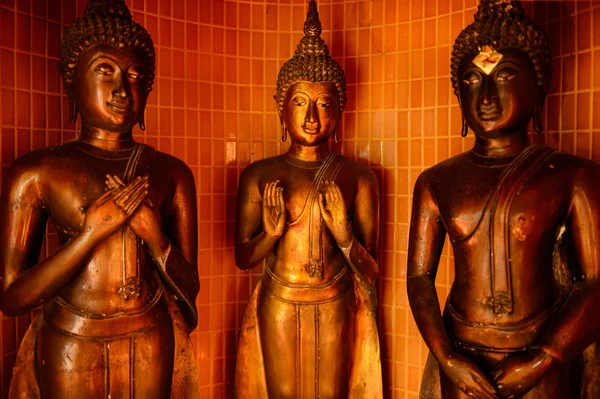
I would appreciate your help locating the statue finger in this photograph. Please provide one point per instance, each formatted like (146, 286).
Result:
(274, 193)
(268, 197)
(110, 182)
(127, 191)
(123, 191)
(133, 204)
(265, 194)
(126, 200)
(337, 191)
(118, 180)
(271, 188)
(322, 205)
(488, 390)
(280, 200)
(105, 197)
(328, 195)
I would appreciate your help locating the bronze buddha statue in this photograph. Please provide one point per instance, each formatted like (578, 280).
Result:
(522, 219)
(309, 327)
(118, 296)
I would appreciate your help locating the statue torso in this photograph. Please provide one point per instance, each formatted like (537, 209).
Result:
(464, 191)
(292, 252)
(72, 178)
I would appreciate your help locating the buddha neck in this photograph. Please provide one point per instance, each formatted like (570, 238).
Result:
(501, 147)
(111, 141)
(309, 153)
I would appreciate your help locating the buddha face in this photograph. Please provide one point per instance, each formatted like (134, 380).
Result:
(311, 112)
(502, 101)
(110, 87)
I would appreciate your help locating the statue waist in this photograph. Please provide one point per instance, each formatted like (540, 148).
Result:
(305, 293)
(73, 321)
(498, 337)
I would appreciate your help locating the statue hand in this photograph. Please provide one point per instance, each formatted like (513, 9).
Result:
(468, 377)
(334, 213)
(273, 210)
(515, 376)
(145, 222)
(113, 208)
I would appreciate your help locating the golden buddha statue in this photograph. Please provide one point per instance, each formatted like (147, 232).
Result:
(309, 327)
(118, 296)
(522, 220)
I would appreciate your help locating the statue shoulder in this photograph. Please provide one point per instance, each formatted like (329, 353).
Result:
(175, 167)
(443, 170)
(33, 165)
(260, 169)
(362, 172)
(582, 172)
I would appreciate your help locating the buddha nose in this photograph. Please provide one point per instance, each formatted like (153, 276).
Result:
(488, 91)
(121, 88)
(312, 114)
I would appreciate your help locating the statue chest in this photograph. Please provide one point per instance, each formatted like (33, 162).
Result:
(481, 202)
(80, 181)
(301, 192)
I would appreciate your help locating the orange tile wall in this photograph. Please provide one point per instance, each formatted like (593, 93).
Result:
(212, 107)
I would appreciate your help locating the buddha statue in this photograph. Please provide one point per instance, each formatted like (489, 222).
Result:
(309, 326)
(117, 298)
(524, 224)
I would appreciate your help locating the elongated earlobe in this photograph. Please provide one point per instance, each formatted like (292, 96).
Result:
(72, 111)
(538, 126)
(335, 136)
(465, 128)
(142, 121)
(283, 133)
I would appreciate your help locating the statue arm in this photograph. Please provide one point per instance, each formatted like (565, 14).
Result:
(362, 252)
(575, 328)
(426, 241)
(26, 283)
(177, 251)
(252, 242)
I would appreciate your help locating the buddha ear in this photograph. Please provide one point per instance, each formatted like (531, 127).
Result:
(283, 127)
(72, 104)
(464, 129)
(142, 121)
(538, 125)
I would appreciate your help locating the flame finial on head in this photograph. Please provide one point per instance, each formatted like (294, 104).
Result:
(312, 26)
(311, 61)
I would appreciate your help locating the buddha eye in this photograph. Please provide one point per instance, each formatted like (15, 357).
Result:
(134, 76)
(324, 105)
(104, 71)
(471, 78)
(505, 74)
(299, 101)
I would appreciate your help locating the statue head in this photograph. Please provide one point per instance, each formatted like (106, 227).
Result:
(311, 88)
(501, 68)
(107, 64)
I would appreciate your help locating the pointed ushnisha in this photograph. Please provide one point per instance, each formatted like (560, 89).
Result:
(312, 26)
(503, 24)
(311, 61)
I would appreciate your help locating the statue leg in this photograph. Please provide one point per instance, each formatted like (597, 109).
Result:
(430, 385)
(335, 335)
(279, 340)
(152, 366)
(306, 347)
(559, 383)
(590, 384)
(68, 367)
(135, 366)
